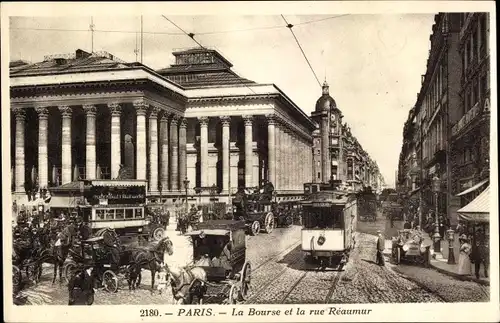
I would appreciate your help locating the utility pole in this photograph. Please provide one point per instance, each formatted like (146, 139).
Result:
(142, 41)
(92, 33)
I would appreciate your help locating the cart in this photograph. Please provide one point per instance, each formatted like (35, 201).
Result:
(93, 253)
(228, 276)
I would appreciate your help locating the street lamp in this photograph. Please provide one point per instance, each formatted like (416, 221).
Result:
(186, 186)
(450, 235)
(436, 187)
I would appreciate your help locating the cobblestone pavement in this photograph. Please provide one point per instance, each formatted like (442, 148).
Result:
(291, 280)
(261, 249)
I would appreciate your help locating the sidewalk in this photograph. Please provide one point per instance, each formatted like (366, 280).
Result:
(440, 264)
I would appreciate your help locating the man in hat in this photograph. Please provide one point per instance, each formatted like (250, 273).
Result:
(380, 249)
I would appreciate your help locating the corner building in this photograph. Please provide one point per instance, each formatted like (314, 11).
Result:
(337, 154)
(93, 116)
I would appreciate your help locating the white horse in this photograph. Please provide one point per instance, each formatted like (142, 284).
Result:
(188, 284)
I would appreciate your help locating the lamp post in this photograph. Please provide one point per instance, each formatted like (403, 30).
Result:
(186, 186)
(450, 234)
(436, 187)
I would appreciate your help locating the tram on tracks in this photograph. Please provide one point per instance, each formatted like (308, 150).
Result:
(328, 225)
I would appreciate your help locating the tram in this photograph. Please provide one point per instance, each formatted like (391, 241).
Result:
(328, 225)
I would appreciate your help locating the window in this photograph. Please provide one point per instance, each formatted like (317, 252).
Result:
(483, 35)
(475, 93)
(129, 214)
(119, 215)
(319, 175)
(484, 86)
(99, 214)
(138, 213)
(109, 214)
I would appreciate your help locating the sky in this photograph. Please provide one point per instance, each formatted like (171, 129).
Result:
(372, 63)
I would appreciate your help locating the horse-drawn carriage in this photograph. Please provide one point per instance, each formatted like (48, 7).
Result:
(220, 270)
(256, 209)
(113, 261)
(410, 245)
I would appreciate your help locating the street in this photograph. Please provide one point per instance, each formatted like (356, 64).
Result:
(279, 276)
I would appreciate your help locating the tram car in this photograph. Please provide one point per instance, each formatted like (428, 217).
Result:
(328, 226)
(367, 205)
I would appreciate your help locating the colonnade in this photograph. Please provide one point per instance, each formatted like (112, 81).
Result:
(289, 153)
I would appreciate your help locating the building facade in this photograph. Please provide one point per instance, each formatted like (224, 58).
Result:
(337, 154)
(191, 127)
(470, 131)
(447, 132)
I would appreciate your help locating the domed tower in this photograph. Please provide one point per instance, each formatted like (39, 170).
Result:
(329, 119)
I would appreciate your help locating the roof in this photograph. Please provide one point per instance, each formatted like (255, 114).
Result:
(200, 67)
(478, 210)
(229, 225)
(81, 61)
(77, 186)
(189, 79)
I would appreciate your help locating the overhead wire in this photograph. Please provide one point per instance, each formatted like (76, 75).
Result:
(177, 33)
(290, 26)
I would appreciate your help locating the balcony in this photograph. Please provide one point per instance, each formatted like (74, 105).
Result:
(465, 120)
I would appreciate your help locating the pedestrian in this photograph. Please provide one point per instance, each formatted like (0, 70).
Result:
(380, 249)
(464, 261)
(480, 253)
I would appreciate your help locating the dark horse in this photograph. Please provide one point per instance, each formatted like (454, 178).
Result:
(60, 249)
(150, 258)
(82, 281)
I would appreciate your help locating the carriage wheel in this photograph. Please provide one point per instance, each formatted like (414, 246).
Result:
(35, 271)
(69, 270)
(233, 294)
(158, 234)
(269, 222)
(255, 229)
(110, 281)
(245, 279)
(16, 276)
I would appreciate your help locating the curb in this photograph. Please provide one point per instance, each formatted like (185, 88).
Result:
(459, 277)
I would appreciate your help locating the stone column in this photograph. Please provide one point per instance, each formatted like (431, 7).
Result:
(141, 108)
(226, 121)
(174, 153)
(283, 156)
(295, 159)
(153, 150)
(20, 116)
(116, 112)
(90, 142)
(203, 151)
(277, 143)
(164, 151)
(248, 120)
(43, 167)
(288, 156)
(271, 145)
(66, 113)
(182, 150)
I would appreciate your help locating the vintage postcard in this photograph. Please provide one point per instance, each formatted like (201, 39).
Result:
(250, 161)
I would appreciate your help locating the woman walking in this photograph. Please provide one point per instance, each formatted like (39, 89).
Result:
(464, 263)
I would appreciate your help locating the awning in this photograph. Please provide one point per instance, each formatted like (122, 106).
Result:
(473, 188)
(478, 210)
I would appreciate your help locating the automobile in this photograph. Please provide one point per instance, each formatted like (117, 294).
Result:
(411, 246)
